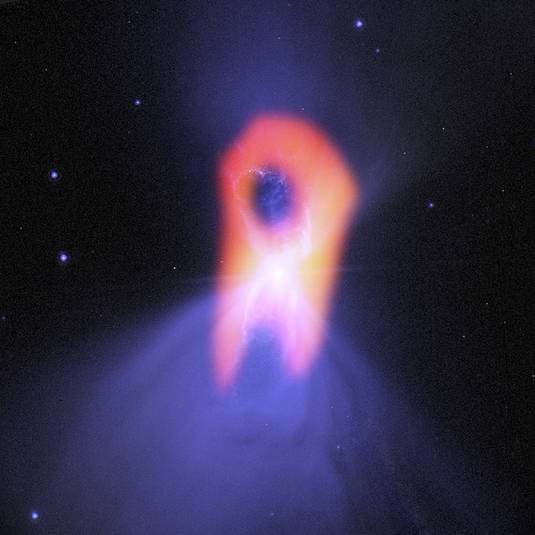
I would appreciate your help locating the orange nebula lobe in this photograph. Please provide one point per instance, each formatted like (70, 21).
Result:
(280, 274)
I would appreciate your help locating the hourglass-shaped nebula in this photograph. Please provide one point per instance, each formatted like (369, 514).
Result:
(287, 198)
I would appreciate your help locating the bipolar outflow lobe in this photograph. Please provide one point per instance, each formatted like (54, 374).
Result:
(287, 198)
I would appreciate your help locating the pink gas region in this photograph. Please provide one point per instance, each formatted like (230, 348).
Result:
(279, 274)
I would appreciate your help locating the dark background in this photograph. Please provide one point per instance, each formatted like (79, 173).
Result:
(431, 102)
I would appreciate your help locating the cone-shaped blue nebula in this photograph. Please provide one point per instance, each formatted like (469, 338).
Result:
(154, 448)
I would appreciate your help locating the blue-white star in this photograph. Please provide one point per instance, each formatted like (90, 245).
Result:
(63, 257)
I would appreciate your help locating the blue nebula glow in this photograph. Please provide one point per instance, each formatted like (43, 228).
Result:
(137, 102)
(34, 515)
(211, 445)
(63, 257)
(272, 197)
(53, 174)
(359, 24)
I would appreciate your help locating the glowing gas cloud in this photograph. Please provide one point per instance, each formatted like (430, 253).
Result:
(279, 246)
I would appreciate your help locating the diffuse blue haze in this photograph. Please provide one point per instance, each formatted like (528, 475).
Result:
(272, 196)
(158, 450)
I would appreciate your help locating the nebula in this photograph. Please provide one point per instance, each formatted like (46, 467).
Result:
(287, 198)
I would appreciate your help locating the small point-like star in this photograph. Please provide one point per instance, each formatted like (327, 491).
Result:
(359, 24)
(63, 257)
(430, 204)
(137, 102)
(53, 174)
(34, 515)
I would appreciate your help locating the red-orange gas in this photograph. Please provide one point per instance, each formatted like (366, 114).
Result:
(279, 272)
